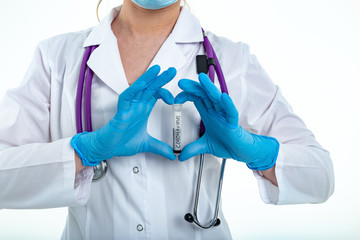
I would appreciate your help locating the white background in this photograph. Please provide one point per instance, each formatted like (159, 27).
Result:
(310, 48)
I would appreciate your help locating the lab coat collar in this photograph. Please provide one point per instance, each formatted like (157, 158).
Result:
(186, 30)
(106, 63)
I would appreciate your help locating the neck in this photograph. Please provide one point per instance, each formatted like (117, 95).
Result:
(136, 21)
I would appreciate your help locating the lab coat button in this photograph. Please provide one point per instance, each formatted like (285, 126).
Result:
(139, 227)
(136, 170)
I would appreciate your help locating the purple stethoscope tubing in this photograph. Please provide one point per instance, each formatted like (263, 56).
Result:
(211, 55)
(79, 95)
(85, 77)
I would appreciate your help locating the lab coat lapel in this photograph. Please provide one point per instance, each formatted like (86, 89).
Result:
(105, 61)
(169, 55)
(187, 30)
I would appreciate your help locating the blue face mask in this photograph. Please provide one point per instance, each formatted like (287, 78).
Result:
(154, 4)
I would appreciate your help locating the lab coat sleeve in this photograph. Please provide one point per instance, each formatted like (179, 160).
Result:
(36, 172)
(303, 168)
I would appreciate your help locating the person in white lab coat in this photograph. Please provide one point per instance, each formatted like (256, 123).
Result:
(143, 196)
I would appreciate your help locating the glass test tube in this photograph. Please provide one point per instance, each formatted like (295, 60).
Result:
(177, 128)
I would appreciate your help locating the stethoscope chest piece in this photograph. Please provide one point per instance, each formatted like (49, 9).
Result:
(190, 218)
(193, 218)
(100, 171)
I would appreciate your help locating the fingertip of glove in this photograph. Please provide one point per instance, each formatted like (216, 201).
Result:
(180, 83)
(183, 82)
(172, 71)
(179, 99)
(182, 158)
(203, 77)
(155, 68)
(170, 101)
(165, 95)
(225, 97)
(170, 155)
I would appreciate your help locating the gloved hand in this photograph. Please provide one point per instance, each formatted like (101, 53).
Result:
(223, 136)
(126, 134)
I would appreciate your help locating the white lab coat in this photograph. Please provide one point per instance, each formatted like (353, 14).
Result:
(37, 121)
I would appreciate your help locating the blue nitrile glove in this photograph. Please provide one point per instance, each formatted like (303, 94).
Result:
(223, 136)
(126, 134)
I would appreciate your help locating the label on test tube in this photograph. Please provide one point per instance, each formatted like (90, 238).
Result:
(177, 128)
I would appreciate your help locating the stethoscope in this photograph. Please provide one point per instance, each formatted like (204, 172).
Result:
(208, 63)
